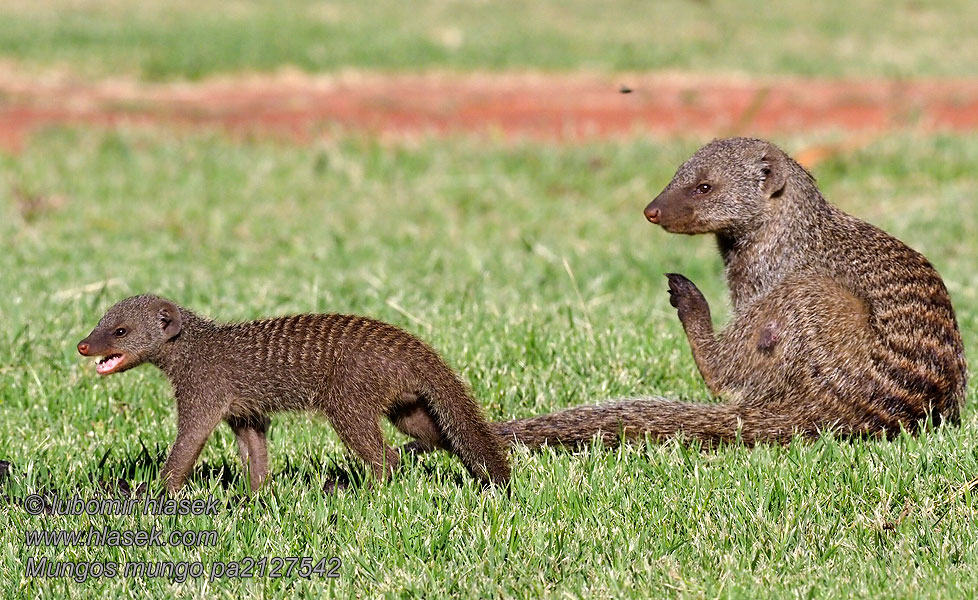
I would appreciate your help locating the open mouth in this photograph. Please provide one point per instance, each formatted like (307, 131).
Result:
(109, 363)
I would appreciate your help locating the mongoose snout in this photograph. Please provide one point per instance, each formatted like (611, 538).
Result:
(109, 361)
(675, 209)
(652, 213)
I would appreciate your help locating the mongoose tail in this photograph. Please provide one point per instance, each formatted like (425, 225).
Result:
(476, 445)
(658, 418)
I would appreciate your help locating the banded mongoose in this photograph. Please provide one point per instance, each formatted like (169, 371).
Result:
(350, 368)
(835, 324)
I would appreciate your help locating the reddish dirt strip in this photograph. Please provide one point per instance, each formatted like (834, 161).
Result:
(556, 107)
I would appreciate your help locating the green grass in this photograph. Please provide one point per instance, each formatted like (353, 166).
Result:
(532, 270)
(184, 39)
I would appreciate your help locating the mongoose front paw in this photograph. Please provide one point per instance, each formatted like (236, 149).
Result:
(686, 297)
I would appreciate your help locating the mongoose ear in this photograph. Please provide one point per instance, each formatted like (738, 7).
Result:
(773, 176)
(169, 319)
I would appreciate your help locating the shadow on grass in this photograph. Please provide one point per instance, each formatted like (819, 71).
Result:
(137, 476)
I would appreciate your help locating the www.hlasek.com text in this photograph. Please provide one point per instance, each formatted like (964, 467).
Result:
(125, 538)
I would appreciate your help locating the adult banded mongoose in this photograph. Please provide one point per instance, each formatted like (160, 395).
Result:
(835, 324)
(350, 368)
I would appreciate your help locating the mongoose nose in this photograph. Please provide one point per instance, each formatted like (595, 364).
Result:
(652, 214)
(83, 348)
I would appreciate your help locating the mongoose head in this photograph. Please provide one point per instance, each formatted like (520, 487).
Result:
(727, 186)
(132, 332)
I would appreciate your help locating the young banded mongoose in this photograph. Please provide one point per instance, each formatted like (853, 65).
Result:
(835, 324)
(350, 368)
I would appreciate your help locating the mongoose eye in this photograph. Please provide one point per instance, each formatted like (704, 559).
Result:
(120, 332)
(703, 188)
(765, 171)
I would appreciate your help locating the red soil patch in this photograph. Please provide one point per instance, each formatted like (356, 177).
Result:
(568, 107)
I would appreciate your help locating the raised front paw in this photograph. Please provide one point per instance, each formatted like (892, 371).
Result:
(686, 297)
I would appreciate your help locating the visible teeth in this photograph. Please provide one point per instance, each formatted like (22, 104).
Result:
(109, 363)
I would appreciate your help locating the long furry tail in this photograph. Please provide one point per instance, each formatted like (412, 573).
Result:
(658, 418)
(467, 432)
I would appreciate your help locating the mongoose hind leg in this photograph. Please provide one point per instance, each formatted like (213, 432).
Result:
(804, 348)
(416, 420)
(252, 446)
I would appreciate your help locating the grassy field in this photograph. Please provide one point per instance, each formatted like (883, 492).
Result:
(532, 270)
(530, 267)
(189, 39)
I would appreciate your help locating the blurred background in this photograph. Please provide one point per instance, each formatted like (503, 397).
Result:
(554, 70)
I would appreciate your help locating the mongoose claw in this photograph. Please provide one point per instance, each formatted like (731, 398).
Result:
(679, 287)
(686, 298)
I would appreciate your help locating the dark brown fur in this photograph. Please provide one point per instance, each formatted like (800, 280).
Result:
(350, 368)
(836, 324)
